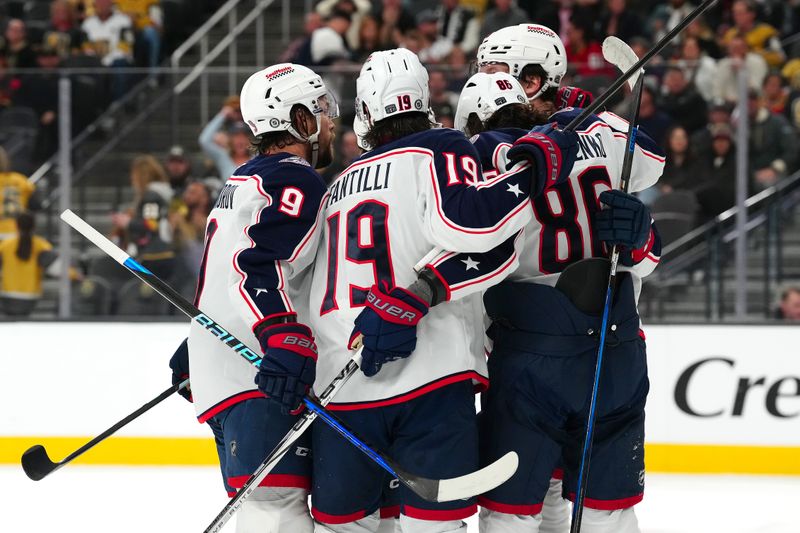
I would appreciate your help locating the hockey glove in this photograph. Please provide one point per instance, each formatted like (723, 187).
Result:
(179, 363)
(550, 151)
(626, 222)
(573, 97)
(289, 366)
(388, 325)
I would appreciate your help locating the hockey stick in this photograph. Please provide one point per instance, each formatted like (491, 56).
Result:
(627, 164)
(658, 47)
(38, 465)
(481, 480)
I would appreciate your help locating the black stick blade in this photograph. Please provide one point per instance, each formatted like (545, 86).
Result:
(36, 463)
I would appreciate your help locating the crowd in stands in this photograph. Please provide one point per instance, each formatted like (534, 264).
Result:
(690, 104)
(102, 38)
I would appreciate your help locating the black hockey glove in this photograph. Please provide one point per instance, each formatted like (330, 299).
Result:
(179, 363)
(625, 222)
(289, 366)
(388, 325)
(550, 151)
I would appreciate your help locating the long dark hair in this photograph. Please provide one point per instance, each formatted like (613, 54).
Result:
(521, 116)
(25, 228)
(392, 128)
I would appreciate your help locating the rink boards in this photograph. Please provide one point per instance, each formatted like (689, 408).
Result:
(723, 399)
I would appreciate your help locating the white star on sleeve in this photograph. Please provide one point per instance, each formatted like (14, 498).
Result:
(259, 291)
(471, 263)
(514, 189)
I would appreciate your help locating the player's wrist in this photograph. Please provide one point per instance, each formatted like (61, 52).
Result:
(430, 286)
(273, 320)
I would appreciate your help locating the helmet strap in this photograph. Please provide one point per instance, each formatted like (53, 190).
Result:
(313, 140)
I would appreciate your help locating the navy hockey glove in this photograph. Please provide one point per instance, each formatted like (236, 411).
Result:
(289, 366)
(573, 97)
(550, 151)
(179, 363)
(625, 223)
(389, 326)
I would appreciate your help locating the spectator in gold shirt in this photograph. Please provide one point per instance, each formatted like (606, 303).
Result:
(23, 261)
(15, 196)
(148, 22)
(762, 38)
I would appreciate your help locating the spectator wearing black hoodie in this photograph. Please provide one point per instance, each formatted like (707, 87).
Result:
(681, 101)
(716, 179)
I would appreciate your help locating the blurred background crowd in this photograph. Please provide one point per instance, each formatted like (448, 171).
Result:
(690, 105)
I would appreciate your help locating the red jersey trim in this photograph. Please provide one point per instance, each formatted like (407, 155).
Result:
(274, 480)
(440, 515)
(228, 402)
(640, 254)
(495, 181)
(446, 286)
(558, 473)
(483, 384)
(326, 518)
(505, 266)
(610, 505)
(258, 180)
(390, 512)
(250, 303)
(505, 508)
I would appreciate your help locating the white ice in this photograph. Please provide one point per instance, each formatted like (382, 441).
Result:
(155, 500)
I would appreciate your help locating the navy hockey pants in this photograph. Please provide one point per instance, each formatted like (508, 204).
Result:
(541, 372)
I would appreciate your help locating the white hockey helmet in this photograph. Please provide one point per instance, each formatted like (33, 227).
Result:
(526, 44)
(391, 82)
(483, 94)
(268, 96)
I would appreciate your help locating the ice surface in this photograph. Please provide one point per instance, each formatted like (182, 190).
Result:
(90, 499)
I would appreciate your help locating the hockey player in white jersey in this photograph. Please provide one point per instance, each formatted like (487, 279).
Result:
(534, 55)
(418, 188)
(530, 318)
(545, 343)
(519, 308)
(260, 242)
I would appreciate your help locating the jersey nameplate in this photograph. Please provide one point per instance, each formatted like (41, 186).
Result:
(590, 146)
(225, 200)
(367, 178)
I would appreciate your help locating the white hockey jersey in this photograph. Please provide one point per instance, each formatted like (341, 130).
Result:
(260, 241)
(560, 230)
(383, 214)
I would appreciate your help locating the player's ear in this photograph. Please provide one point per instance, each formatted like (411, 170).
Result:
(531, 83)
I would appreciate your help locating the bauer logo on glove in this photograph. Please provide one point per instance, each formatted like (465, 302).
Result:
(384, 305)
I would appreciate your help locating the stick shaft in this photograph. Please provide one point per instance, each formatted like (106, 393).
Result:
(583, 472)
(122, 423)
(282, 447)
(658, 47)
